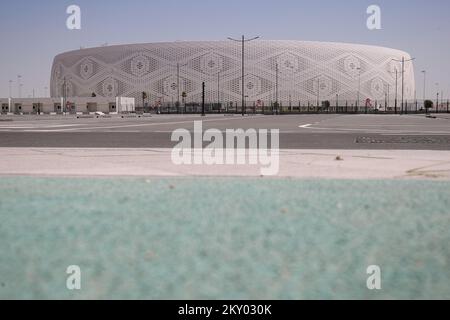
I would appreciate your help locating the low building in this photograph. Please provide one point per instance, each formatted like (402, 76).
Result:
(5, 105)
(76, 105)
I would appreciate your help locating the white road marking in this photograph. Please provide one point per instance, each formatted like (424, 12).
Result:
(155, 124)
(380, 131)
(42, 126)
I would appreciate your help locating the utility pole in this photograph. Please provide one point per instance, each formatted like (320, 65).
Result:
(403, 82)
(359, 88)
(10, 96)
(63, 108)
(276, 89)
(437, 103)
(19, 86)
(318, 94)
(396, 89)
(178, 82)
(144, 96)
(218, 91)
(10, 88)
(437, 99)
(243, 41)
(403, 76)
(424, 84)
(337, 102)
(388, 97)
(203, 99)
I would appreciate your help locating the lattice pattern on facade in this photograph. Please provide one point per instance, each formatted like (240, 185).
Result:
(306, 71)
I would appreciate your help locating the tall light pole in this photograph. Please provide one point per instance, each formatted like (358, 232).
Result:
(337, 102)
(403, 76)
(218, 91)
(63, 107)
(359, 86)
(243, 41)
(10, 88)
(388, 97)
(424, 84)
(318, 93)
(19, 85)
(178, 82)
(396, 89)
(10, 96)
(437, 97)
(276, 88)
(203, 99)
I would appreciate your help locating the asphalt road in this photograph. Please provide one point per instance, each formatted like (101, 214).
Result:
(387, 132)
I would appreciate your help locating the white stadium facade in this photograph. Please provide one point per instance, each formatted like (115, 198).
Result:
(290, 72)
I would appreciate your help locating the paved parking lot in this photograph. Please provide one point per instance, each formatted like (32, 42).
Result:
(296, 131)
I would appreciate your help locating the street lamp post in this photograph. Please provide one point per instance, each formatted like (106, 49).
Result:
(424, 84)
(396, 89)
(388, 97)
(318, 94)
(437, 103)
(218, 91)
(203, 99)
(403, 78)
(243, 41)
(63, 107)
(424, 87)
(437, 94)
(337, 102)
(19, 89)
(10, 96)
(359, 88)
(437, 97)
(178, 83)
(10, 88)
(276, 89)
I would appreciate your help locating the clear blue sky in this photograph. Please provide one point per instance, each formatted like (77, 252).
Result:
(33, 32)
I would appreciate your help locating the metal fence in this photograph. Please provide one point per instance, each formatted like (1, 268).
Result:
(306, 107)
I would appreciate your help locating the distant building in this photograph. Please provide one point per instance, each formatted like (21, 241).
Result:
(73, 105)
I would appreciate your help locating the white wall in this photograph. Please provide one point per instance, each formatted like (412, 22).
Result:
(47, 105)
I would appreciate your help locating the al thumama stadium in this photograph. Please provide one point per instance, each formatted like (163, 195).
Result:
(285, 71)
